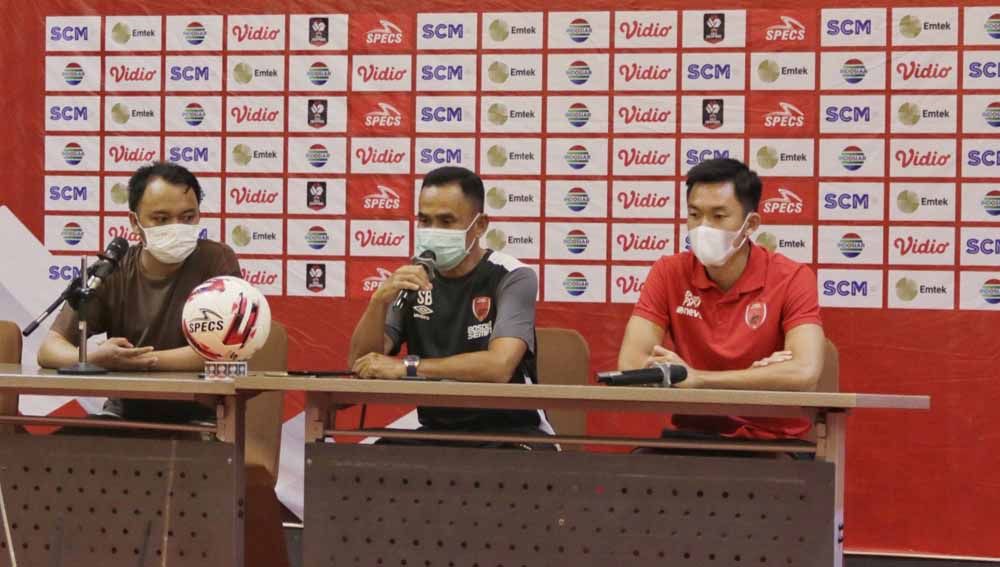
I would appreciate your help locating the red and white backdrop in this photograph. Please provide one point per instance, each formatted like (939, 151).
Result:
(876, 130)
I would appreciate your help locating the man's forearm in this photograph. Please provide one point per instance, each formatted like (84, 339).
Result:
(57, 352)
(481, 366)
(787, 376)
(369, 334)
(182, 359)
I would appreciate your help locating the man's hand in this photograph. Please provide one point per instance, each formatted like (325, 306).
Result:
(375, 365)
(409, 277)
(776, 357)
(117, 353)
(663, 356)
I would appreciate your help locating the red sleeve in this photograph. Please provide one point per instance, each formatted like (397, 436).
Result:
(801, 301)
(653, 299)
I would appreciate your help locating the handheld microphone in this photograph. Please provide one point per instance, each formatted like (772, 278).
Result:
(663, 375)
(426, 261)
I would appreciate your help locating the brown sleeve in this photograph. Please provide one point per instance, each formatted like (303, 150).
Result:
(67, 322)
(226, 263)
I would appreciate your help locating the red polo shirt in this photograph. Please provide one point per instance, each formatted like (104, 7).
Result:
(729, 330)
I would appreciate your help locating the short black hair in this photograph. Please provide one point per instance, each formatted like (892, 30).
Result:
(745, 181)
(471, 184)
(165, 170)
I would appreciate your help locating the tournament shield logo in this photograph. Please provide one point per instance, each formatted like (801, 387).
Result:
(481, 307)
(316, 277)
(317, 112)
(319, 31)
(755, 315)
(715, 27)
(316, 195)
(712, 113)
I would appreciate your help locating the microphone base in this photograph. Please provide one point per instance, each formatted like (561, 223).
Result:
(82, 369)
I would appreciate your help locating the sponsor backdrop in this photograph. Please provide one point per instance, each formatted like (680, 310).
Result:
(876, 129)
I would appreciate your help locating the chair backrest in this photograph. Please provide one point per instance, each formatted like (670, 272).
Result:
(10, 353)
(10, 343)
(263, 417)
(564, 358)
(829, 379)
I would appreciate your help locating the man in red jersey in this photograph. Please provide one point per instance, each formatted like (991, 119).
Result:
(736, 315)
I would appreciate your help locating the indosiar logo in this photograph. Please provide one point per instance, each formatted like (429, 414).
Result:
(73, 73)
(577, 157)
(576, 241)
(852, 158)
(195, 33)
(318, 73)
(317, 155)
(72, 153)
(991, 203)
(575, 284)
(992, 114)
(991, 290)
(317, 238)
(576, 199)
(578, 114)
(72, 233)
(579, 30)
(853, 71)
(851, 245)
(194, 114)
(578, 72)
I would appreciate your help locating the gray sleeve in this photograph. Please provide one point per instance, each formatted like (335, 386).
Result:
(516, 306)
(394, 328)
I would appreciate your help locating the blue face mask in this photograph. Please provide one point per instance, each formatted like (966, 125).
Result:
(447, 244)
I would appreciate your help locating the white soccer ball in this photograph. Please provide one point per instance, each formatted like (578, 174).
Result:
(226, 318)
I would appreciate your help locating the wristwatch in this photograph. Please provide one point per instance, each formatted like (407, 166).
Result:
(411, 362)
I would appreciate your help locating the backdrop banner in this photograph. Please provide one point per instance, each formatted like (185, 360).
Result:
(875, 128)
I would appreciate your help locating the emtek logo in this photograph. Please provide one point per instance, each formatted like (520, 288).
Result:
(845, 288)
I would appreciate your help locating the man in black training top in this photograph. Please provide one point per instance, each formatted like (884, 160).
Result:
(474, 322)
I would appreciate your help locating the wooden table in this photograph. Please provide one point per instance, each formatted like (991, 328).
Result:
(110, 498)
(826, 410)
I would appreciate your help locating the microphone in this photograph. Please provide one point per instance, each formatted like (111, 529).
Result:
(96, 274)
(107, 263)
(426, 261)
(663, 375)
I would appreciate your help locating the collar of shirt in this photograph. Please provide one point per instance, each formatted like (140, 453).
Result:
(753, 276)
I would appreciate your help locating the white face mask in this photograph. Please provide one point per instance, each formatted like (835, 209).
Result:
(171, 243)
(448, 244)
(715, 246)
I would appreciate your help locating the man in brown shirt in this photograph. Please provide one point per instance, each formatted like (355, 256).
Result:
(139, 306)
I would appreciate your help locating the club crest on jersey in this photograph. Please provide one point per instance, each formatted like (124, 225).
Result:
(481, 307)
(755, 315)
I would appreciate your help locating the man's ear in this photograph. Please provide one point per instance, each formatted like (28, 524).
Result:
(753, 223)
(133, 220)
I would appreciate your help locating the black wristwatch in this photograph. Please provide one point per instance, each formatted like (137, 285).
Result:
(411, 362)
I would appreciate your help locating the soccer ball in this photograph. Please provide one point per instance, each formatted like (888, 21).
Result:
(226, 318)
